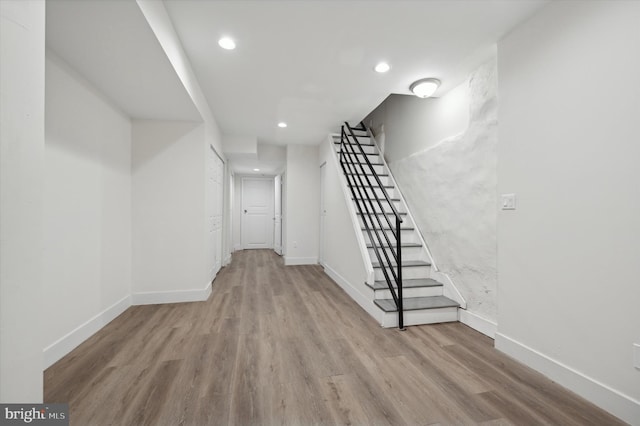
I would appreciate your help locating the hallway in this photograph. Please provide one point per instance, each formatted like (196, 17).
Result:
(285, 345)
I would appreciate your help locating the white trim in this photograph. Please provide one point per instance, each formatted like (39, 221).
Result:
(449, 289)
(292, 261)
(174, 296)
(607, 398)
(237, 247)
(478, 323)
(227, 260)
(365, 302)
(68, 342)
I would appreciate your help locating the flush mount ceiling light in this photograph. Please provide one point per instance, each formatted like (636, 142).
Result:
(282, 124)
(425, 87)
(382, 67)
(227, 43)
(256, 170)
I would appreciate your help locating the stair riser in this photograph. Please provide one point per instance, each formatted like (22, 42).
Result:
(383, 220)
(423, 316)
(359, 158)
(374, 191)
(410, 292)
(408, 253)
(366, 180)
(361, 138)
(378, 168)
(407, 273)
(407, 237)
(385, 207)
(369, 149)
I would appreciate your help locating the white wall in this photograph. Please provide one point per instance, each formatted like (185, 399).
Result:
(568, 256)
(412, 124)
(87, 210)
(302, 208)
(169, 217)
(342, 258)
(443, 157)
(22, 74)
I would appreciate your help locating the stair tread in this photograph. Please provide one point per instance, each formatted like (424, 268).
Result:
(387, 213)
(402, 228)
(374, 186)
(412, 283)
(405, 263)
(370, 174)
(360, 199)
(417, 303)
(359, 153)
(351, 143)
(401, 244)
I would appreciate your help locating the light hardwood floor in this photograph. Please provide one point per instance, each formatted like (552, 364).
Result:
(285, 345)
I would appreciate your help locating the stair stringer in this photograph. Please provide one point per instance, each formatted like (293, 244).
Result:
(359, 292)
(449, 288)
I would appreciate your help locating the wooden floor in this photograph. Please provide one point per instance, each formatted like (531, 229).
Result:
(285, 345)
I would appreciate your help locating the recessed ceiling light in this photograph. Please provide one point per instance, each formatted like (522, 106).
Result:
(282, 124)
(256, 170)
(425, 87)
(227, 43)
(382, 67)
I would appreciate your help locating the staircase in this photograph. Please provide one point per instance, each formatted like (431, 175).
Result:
(407, 295)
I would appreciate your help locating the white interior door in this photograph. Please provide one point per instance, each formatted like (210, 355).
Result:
(257, 213)
(277, 215)
(323, 212)
(215, 205)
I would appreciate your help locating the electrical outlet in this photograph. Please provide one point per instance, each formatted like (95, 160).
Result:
(636, 355)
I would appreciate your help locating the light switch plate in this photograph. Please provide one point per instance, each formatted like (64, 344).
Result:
(636, 355)
(508, 201)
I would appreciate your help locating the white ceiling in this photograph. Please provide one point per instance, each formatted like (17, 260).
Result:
(310, 63)
(110, 43)
(307, 62)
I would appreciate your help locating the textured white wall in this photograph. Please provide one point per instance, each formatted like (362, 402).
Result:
(302, 205)
(450, 185)
(568, 256)
(168, 178)
(412, 124)
(87, 202)
(22, 74)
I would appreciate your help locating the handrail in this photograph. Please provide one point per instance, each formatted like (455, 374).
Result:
(365, 205)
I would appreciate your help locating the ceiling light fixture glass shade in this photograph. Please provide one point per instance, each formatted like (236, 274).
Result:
(282, 124)
(425, 87)
(227, 43)
(256, 170)
(382, 67)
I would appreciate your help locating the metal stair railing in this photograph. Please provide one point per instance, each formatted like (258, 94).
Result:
(363, 191)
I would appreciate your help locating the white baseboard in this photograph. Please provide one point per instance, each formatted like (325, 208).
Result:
(607, 398)
(227, 260)
(478, 323)
(365, 302)
(237, 247)
(291, 261)
(68, 342)
(177, 296)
